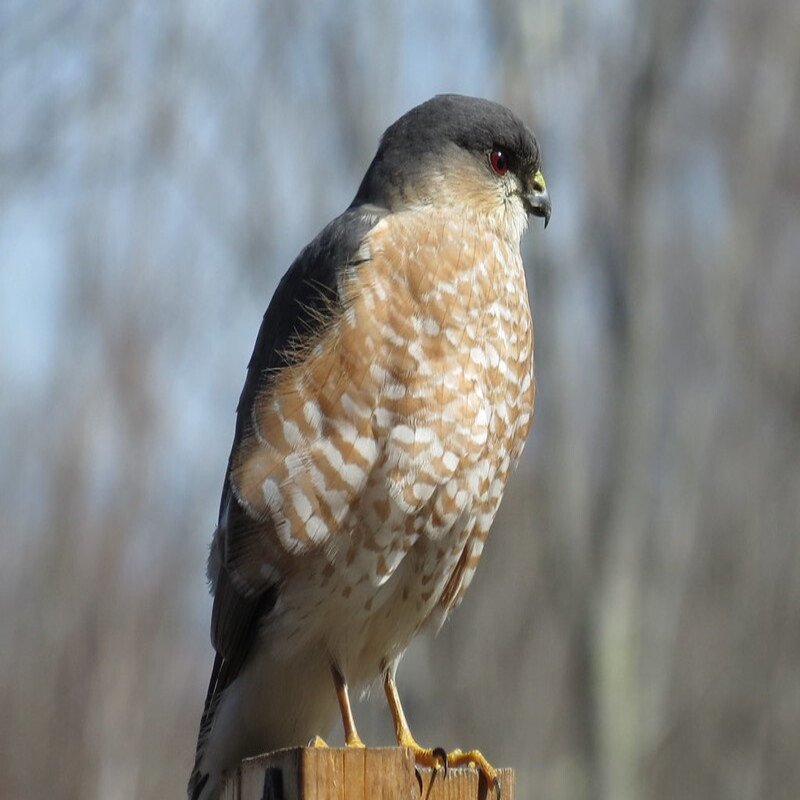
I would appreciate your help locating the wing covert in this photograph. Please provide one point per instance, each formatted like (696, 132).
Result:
(245, 564)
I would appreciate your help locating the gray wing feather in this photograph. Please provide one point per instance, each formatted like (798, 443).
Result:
(306, 299)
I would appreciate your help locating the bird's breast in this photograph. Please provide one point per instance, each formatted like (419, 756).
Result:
(413, 409)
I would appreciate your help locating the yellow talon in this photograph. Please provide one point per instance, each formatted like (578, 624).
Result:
(474, 758)
(431, 757)
(435, 757)
(317, 741)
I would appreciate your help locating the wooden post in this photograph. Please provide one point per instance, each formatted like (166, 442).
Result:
(322, 773)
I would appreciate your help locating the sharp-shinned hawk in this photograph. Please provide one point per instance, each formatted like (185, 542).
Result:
(386, 402)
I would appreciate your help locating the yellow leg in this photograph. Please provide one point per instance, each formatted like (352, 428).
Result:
(433, 757)
(351, 737)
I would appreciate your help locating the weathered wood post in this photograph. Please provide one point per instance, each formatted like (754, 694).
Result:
(321, 773)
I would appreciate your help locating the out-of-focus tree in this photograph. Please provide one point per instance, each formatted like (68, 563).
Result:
(634, 629)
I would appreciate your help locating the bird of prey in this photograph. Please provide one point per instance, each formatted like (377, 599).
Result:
(386, 402)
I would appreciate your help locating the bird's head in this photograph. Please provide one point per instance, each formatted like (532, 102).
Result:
(463, 152)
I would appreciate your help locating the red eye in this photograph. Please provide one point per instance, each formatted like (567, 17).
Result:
(499, 161)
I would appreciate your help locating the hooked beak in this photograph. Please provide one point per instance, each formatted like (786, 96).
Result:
(537, 202)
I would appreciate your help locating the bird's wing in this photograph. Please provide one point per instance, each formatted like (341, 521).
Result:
(246, 555)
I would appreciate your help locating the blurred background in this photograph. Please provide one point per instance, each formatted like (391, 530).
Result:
(634, 629)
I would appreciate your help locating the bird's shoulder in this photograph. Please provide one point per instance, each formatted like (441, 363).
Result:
(307, 299)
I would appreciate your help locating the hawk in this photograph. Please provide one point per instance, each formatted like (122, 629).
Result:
(386, 402)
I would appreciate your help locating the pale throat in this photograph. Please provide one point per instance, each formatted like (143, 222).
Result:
(498, 207)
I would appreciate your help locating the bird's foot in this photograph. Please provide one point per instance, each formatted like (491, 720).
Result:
(476, 759)
(354, 740)
(435, 757)
(319, 742)
(438, 758)
(431, 757)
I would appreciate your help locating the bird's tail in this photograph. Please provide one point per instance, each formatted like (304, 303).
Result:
(205, 782)
(204, 785)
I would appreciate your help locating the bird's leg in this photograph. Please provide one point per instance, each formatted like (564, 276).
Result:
(351, 737)
(430, 757)
(433, 757)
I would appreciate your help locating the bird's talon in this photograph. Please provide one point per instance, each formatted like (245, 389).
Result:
(418, 776)
(317, 741)
(433, 758)
(476, 760)
(440, 756)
